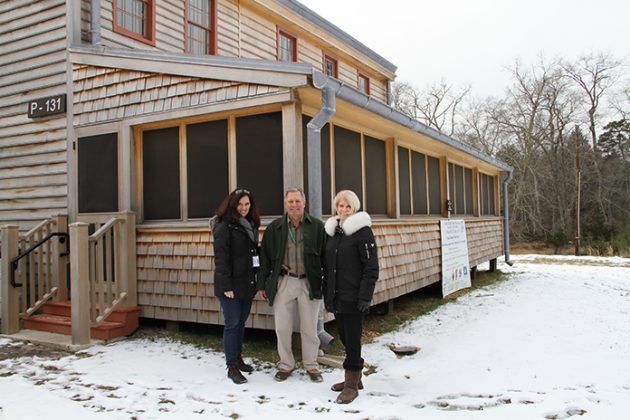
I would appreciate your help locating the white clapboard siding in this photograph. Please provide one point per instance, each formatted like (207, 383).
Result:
(242, 31)
(227, 29)
(33, 156)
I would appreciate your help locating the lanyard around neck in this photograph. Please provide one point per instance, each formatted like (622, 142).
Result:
(293, 235)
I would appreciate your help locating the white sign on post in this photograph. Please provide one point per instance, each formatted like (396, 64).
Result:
(455, 264)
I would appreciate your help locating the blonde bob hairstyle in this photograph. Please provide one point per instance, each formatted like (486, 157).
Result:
(349, 197)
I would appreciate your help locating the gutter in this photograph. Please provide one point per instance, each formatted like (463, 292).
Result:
(313, 141)
(506, 219)
(355, 97)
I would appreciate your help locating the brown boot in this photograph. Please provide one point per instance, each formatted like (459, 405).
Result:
(351, 387)
(338, 387)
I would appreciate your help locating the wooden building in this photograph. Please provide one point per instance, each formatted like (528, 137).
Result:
(160, 108)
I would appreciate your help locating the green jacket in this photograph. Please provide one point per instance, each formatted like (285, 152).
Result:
(274, 245)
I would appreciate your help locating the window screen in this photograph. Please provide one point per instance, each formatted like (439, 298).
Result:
(325, 151)
(207, 171)
(98, 173)
(375, 176)
(434, 185)
(160, 161)
(419, 178)
(469, 190)
(403, 180)
(348, 161)
(459, 190)
(259, 160)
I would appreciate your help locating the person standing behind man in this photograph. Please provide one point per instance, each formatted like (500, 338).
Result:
(352, 266)
(236, 260)
(290, 277)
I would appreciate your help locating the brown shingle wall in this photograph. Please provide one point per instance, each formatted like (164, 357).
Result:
(175, 268)
(105, 94)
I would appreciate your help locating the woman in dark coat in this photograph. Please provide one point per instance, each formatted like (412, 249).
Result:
(352, 271)
(235, 231)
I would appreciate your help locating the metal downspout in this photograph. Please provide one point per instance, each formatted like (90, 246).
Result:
(313, 143)
(95, 22)
(506, 219)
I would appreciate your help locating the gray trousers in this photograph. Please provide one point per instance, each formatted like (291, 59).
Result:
(294, 293)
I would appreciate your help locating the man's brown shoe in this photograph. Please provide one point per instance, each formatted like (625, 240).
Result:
(282, 375)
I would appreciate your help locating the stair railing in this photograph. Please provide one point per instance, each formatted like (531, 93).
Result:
(103, 274)
(37, 259)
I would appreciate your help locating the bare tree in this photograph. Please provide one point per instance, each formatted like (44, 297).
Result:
(436, 106)
(594, 75)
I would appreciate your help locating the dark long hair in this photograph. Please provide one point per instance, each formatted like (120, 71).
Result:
(228, 208)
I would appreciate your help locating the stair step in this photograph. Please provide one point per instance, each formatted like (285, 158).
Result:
(56, 318)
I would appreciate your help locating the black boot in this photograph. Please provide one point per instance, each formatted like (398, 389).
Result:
(242, 366)
(235, 375)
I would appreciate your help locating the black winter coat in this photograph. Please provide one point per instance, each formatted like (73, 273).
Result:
(233, 260)
(351, 264)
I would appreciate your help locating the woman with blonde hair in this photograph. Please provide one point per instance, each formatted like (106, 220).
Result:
(352, 271)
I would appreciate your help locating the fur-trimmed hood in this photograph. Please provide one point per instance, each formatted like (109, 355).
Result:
(352, 224)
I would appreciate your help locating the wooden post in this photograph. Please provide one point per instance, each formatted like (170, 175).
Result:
(59, 266)
(127, 243)
(9, 295)
(80, 283)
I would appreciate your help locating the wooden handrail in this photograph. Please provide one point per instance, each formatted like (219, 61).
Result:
(103, 229)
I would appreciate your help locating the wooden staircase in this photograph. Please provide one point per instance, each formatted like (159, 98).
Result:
(56, 319)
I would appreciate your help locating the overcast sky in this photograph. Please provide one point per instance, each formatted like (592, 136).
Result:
(473, 41)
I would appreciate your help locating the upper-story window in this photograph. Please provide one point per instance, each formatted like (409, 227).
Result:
(364, 84)
(200, 23)
(287, 46)
(330, 66)
(135, 19)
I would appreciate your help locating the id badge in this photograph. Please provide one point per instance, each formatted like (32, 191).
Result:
(255, 261)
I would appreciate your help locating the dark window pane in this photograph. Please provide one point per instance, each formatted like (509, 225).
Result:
(160, 160)
(98, 173)
(419, 178)
(403, 180)
(434, 186)
(375, 176)
(207, 157)
(325, 150)
(259, 160)
(459, 189)
(491, 209)
(484, 194)
(468, 189)
(348, 161)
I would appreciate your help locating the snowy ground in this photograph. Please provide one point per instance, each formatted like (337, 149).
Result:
(553, 341)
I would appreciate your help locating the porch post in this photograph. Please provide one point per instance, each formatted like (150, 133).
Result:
(80, 283)
(59, 268)
(9, 295)
(126, 238)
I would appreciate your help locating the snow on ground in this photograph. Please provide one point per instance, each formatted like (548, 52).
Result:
(553, 341)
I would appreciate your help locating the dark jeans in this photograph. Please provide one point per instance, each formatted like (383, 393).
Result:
(235, 313)
(350, 327)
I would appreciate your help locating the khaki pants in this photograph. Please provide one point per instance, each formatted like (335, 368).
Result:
(292, 293)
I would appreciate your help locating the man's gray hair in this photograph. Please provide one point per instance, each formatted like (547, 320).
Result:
(295, 189)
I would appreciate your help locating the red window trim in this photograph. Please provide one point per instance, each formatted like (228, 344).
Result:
(150, 24)
(213, 27)
(367, 80)
(282, 32)
(334, 60)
